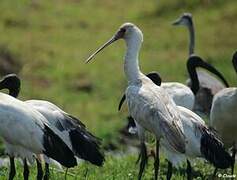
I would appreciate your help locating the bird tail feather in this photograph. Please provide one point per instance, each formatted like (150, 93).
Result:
(55, 148)
(86, 146)
(213, 150)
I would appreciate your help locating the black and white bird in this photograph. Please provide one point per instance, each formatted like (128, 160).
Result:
(224, 112)
(73, 132)
(154, 110)
(25, 132)
(208, 85)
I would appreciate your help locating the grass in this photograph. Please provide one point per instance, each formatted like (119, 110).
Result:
(120, 167)
(52, 39)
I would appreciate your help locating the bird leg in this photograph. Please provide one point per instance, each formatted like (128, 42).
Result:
(214, 173)
(189, 170)
(233, 158)
(157, 160)
(12, 172)
(26, 170)
(139, 157)
(151, 153)
(65, 177)
(169, 171)
(143, 155)
(39, 170)
(46, 173)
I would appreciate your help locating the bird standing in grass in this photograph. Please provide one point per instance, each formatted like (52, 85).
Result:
(154, 110)
(200, 141)
(148, 104)
(223, 114)
(83, 144)
(25, 131)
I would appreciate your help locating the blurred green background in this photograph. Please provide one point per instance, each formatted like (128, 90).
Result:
(47, 42)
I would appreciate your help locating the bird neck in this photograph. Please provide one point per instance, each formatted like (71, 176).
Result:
(193, 77)
(131, 65)
(234, 61)
(14, 92)
(191, 38)
(13, 89)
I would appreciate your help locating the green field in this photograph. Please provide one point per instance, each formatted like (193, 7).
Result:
(52, 39)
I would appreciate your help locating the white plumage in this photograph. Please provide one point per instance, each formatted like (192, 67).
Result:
(71, 130)
(22, 127)
(19, 120)
(180, 93)
(154, 110)
(224, 112)
(73, 133)
(223, 115)
(192, 129)
(148, 104)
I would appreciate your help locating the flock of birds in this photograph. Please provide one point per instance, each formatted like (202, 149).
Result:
(172, 111)
(39, 130)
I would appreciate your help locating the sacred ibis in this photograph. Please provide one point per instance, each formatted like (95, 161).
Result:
(83, 144)
(224, 112)
(25, 132)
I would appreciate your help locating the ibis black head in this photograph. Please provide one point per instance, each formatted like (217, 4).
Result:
(12, 83)
(154, 76)
(185, 19)
(195, 62)
(234, 60)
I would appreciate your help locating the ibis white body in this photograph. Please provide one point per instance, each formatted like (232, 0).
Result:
(208, 81)
(53, 115)
(223, 115)
(21, 125)
(180, 93)
(192, 125)
(25, 132)
(19, 152)
(72, 131)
